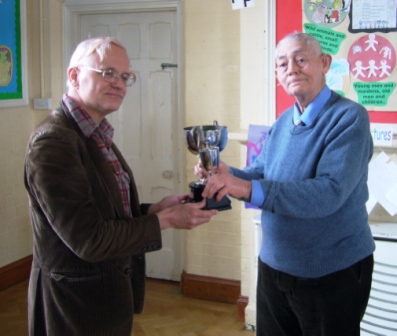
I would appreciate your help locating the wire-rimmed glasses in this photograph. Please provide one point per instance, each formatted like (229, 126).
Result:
(111, 75)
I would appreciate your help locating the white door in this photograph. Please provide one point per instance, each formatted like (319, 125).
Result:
(146, 124)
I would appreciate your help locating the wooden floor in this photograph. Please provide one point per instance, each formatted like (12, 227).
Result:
(167, 313)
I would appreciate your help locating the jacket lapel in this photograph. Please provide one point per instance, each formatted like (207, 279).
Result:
(100, 163)
(107, 174)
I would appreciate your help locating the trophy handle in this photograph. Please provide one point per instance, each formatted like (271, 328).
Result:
(196, 134)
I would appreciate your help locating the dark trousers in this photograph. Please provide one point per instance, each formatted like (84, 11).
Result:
(332, 305)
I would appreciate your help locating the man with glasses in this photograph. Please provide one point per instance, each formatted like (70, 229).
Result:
(90, 231)
(310, 181)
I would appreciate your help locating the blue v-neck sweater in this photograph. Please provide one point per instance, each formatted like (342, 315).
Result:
(314, 178)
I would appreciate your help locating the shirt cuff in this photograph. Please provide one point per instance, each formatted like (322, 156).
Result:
(257, 194)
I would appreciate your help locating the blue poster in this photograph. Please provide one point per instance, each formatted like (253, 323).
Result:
(10, 50)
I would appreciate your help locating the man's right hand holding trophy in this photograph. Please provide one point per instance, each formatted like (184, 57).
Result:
(216, 181)
(223, 183)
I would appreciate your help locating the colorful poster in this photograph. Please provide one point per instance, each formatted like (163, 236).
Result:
(377, 93)
(10, 51)
(372, 58)
(256, 139)
(364, 60)
(379, 15)
(327, 13)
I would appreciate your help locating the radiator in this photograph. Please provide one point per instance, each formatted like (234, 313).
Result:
(380, 318)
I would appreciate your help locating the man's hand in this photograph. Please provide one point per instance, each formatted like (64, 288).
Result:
(224, 183)
(185, 216)
(168, 202)
(201, 172)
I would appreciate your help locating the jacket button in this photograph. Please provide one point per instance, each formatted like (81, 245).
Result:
(128, 271)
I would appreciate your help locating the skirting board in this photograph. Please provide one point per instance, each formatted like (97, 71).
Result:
(214, 289)
(15, 272)
(195, 286)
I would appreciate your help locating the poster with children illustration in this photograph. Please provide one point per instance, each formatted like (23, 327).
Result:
(361, 38)
(372, 58)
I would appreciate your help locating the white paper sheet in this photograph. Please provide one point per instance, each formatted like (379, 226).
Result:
(371, 203)
(382, 177)
(239, 4)
(391, 196)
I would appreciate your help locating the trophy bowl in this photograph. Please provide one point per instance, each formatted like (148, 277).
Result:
(199, 137)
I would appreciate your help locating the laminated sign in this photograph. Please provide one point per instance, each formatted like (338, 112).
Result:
(239, 4)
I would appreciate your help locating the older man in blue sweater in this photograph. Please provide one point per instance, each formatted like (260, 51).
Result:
(310, 180)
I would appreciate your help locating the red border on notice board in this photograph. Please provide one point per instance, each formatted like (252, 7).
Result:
(288, 20)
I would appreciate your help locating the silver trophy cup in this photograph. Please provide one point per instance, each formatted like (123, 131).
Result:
(209, 158)
(207, 142)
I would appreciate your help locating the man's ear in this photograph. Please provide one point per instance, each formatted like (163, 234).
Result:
(326, 60)
(72, 75)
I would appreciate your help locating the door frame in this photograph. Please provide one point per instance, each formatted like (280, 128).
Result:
(72, 11)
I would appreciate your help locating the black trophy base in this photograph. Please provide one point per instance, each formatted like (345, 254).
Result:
(211, 203)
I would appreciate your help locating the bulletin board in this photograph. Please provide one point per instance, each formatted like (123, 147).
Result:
(13, 56)
(361, 37)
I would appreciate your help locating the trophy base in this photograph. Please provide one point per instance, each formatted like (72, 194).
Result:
(211, 203)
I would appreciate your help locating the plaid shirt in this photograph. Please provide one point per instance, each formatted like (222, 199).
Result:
(103, 135)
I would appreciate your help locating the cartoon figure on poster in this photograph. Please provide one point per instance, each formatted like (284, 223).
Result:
(326, 13)
(371, 58)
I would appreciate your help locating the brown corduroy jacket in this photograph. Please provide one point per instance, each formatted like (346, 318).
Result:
(88, 271)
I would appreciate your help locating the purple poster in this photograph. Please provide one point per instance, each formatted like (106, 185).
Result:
(256, 139)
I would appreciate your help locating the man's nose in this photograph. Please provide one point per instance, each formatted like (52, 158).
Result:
(119, 83)
(292, 67)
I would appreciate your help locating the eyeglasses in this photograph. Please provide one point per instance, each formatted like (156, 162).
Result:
(111, 76)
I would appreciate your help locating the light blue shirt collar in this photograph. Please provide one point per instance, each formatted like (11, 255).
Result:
(314, 108)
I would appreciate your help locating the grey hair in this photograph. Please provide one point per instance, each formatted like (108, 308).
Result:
(310, 40)
(99, 45)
